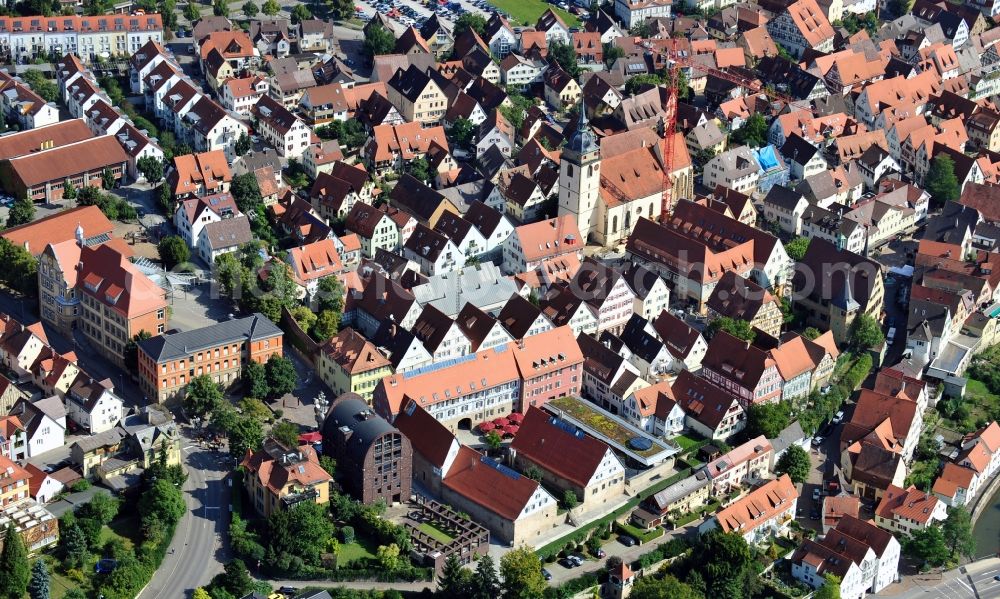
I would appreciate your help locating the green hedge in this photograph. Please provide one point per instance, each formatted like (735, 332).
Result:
(644, 536)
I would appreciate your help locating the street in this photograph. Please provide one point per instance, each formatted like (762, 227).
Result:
(977, 582)
(199, 546)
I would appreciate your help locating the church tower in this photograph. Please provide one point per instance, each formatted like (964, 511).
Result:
(580, 176)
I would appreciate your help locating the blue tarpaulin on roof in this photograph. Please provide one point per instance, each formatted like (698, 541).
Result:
(766, 158)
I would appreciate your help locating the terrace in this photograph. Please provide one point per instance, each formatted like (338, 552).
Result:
(623, 437)
(438, 532)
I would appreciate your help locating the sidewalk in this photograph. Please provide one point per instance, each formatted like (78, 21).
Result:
(361, 585)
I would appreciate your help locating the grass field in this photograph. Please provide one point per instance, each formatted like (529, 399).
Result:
(435, 532)
(362, 548)
(124, 528)
(526, 12)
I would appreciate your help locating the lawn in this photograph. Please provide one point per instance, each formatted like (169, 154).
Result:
(526, 12)
(125, 528)
(964, 415)
(361, 549)
(687, 443)
(435, 532)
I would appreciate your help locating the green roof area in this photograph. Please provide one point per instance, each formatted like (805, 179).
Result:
(603, 423)
(435, 533)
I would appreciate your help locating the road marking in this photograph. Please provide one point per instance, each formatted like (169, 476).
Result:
(961, 582)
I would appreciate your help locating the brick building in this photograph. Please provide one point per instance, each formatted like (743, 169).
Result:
(377, 458)
(167, 363)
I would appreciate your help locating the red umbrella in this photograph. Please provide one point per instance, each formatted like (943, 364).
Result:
(516, 417)
(485, 427)
(500, 422)
(511, 429)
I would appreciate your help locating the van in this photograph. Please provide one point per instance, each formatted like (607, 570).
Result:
(891, 334)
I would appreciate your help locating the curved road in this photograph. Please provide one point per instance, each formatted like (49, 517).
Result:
(199, 546)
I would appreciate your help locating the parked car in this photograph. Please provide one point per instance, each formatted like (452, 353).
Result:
(568, 563)
(838, 417)
(577, 558)
(546, 574)
(817, 441)
(814, 514)
(627, 541)
(817, 493)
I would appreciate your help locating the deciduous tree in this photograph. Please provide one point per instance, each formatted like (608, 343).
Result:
(941, 181)
(173, 251)
(286, 433)
(521, 571)
(255, 379)
(281, 375)
(250, 10)
(379, 41)
(795, 463)
(957, 530)
(866, 333)
(202, 395)
(736, 327)
(151, 168)
(470, 20)
(22, 211)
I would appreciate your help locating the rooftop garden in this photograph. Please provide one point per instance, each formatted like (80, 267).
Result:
(592, 417)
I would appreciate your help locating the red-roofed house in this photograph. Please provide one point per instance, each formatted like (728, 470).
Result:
(906, 510)
(515, 508)
(760, 515)
(100, 291)
(279, 477)
(569, 460)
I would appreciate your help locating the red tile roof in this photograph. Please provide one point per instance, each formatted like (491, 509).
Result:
(504, 493)
(574, 457)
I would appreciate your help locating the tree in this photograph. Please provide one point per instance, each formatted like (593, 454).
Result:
(636, 84)
(163, 502)
(243, 143)
(20, 269)
(421, 169)
(753, 132)
(485, 584)
(281, 375)
(866, 333)
(796, 248)
(255, 380)
(246, 191)
(379, 41)
(795, 463)
(192, 12)
(726, 564)
(41, 85)
(22, 211)
(220, 8)
(235, 578)
(521, 571)
(270, 7)
(14, 571)
(830, 588)
(455, 581)
(570, 499)
(74, 593)
(200, 593)
(767, 419)
(493, 441)
(811, 333)
(470, 20)
(612, 52)
(927, 545)
(300, 13)
(286, 433)
(151, 168)
(76, 551)
(173, 251)
(341, 9)
(69, 190)
(244, 433)
(202, 395)
(565, 55)
(462, 129)
(107, 179)
(132, 349)
(957, 530)
(941, 181)
(102, 507)
(328, 464)
(388, 557)
(326, 325)
(668, 587)
(250, 10)
(38, 587)
(301, 530)
(304, 317)
(736, 327)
